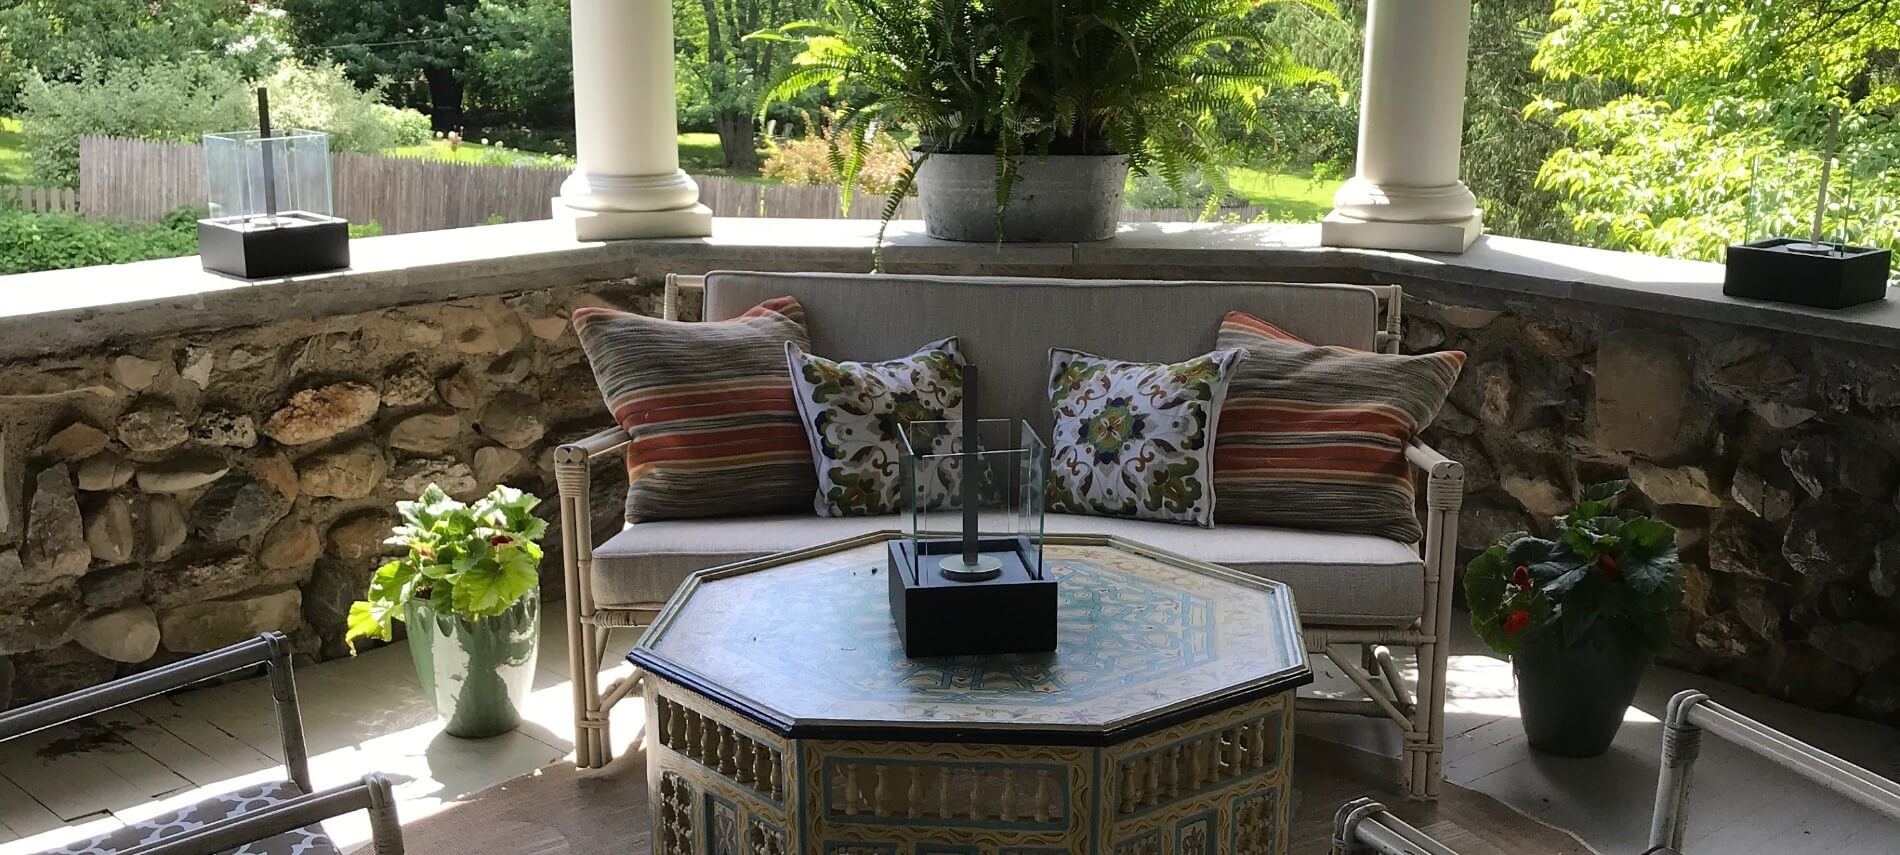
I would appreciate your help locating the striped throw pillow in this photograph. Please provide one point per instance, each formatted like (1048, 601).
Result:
(1315, 437)
(709, 406)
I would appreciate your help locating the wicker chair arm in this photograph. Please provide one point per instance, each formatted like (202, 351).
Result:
(593, 445)
(1445, 477)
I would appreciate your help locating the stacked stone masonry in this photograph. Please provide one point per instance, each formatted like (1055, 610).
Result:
(165, 497)
(1776, 456)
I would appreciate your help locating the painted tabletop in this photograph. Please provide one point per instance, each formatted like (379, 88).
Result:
(810, 644)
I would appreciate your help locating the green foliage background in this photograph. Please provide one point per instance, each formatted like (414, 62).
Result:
(1709, 117)
(30, 242)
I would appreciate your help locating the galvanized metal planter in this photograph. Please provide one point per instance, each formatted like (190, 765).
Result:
(477, 672)
(1059, 198)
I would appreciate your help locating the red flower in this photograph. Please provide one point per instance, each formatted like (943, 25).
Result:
(1516, 621)
(1608, 563)
(499, 540)
(1521, 577)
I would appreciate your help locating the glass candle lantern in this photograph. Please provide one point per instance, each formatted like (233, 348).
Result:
(266, 182)
(270, 204)
(993, 491)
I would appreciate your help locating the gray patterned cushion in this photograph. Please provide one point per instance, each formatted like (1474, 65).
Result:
(309, 840)
(855, 413)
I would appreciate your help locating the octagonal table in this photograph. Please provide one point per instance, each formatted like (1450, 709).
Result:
(783, 716)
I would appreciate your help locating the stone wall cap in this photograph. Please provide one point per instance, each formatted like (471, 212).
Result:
(59, 311)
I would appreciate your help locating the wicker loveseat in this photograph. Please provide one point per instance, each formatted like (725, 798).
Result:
(1356, 593)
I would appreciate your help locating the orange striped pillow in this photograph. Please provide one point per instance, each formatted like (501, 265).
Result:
(1315, 437)
(710, 408)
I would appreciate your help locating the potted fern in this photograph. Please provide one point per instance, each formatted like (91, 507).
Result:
(1580, 615)
(1030, 114)
(469, 591)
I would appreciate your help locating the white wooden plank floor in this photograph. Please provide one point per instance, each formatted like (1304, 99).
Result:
(367, 714)
(1739, 804)
(360, 715)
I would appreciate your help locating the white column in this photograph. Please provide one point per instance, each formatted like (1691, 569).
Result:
(1406, 194)
(627, 183)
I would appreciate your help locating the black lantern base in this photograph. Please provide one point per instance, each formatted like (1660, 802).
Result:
(1012, 612)
(291, 243)
(1773, 270)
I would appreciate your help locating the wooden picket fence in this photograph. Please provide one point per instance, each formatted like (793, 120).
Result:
(140, 180)
(40, 200)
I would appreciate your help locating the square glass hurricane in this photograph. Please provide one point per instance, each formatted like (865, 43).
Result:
(996, 487)
(268, 182)
(270, 204)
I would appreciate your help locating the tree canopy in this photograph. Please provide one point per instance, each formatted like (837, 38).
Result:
(392, 40)
(1708, 120)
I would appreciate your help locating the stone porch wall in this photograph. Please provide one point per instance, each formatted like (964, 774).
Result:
(1774, 455)
(188, 459)
(175, 494)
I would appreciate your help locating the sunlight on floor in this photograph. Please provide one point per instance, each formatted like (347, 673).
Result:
(360, 715)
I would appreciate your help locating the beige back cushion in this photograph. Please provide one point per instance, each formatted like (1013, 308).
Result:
(1007, 325)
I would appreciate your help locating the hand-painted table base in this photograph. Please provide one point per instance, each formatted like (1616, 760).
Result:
(723, 785)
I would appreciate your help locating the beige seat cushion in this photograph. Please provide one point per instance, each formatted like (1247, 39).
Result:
(1336, 578)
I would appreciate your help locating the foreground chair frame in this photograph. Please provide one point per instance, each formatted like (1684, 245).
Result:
(272, 651)
(1360, 652)
(1691, 714)
(1363, 827)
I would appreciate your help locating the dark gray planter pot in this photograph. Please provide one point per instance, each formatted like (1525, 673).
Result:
(1057, 198)
(1572, 699)
(477, 673)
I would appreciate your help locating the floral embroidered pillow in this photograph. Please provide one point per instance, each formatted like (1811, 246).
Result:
(855, 413)
(1135, 439)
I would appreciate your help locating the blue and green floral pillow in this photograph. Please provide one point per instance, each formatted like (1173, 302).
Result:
(1135, 439)
(855, 413)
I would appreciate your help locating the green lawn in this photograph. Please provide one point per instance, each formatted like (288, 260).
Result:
(14, 166)
(472, 151)
(700, 154)
(1290, 198)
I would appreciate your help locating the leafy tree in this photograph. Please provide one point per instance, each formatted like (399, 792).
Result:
(523, 62)
(734, 71)
(394, 40)
(64, 39)
(1709, 121)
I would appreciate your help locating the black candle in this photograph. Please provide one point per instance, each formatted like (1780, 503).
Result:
(263, 140)
(970, 462)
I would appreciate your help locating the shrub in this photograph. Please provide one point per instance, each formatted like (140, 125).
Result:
(182, 101)
(406, 127)
(1152, 191)
(319, 97)
(808, 159)
(31, 242)
(164, 101)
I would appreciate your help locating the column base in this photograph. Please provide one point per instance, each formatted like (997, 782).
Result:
(1449, 236)
(695, 221)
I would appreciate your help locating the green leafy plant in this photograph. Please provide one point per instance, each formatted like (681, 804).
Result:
(471, 561)
(30, 242)
(1163, 82)
(1603, 571)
